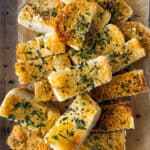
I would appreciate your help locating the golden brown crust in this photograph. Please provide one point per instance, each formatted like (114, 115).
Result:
(36, 70)
(124, 85)
(73, 22)
(42, 91)
(116, 117)
(22, 139)
(105, 141)
(119, 9)
(18, 106)
(137, 30)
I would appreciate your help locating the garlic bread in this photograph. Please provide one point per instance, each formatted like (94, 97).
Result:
(18, 106)
(72, 81)
(72, 128)
(42, 46)
(74, 22)
(21, 138)
(123, 85)
(36, 70)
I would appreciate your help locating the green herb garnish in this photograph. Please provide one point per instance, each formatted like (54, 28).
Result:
(80, 124)
(55, 137)
(70, 133)
(11, 117)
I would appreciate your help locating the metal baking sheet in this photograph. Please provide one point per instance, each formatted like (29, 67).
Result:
(11, 33)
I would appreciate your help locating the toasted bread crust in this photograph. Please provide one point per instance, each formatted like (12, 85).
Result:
(110, 140)
(18, 106)
(124, 85)
(36, 70)
(22, 139)
(116, 117)
(119, 9)
(137, 30)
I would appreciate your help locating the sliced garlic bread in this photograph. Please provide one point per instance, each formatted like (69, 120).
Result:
(101, 18)
(36, 70)
(105, 141)
(21, 138)
(131, 52)
(123, 85)
(42, 46)
(42, 91)
(102, 42)
(116, 117)
(40, 15)
(74, 22)
(72, 81)
(19, 107)
(137, 30)
(119, 9)
(72, 128)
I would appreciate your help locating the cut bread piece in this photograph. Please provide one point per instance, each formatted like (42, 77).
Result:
(36, 70)
(42, 46)
(74, 22)
(116, 117)
(123, 85)
(102, 42)
(131, 52)
(19, 107)
(101, 18)
(72, 128)
(119, 9)
(105, 141)
(137, 30)
(22, 139)
(40, 15)
(42, 91)
(72, 81)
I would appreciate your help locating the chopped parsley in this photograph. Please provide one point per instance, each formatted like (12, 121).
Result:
(28, 121)
(55, 137)
(28, 52)
(80, 124)
(70, 133)
(96, 148)
(83, 55)
(54, 13)
(84, 79)
(23, 105)
(11, 117)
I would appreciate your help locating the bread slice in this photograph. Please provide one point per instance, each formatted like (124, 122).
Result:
(119, 9)
(72, 128)
(42, 46)
(131, 52)
(36, 70)
(74, 22)
(101, 18)
(105, 141)
(19, 107)
(137, 30)
(102, 42)
(40, 16)
(22, 139)
(42, 91)
(123, 85)
(116, 117)
(72, 81)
